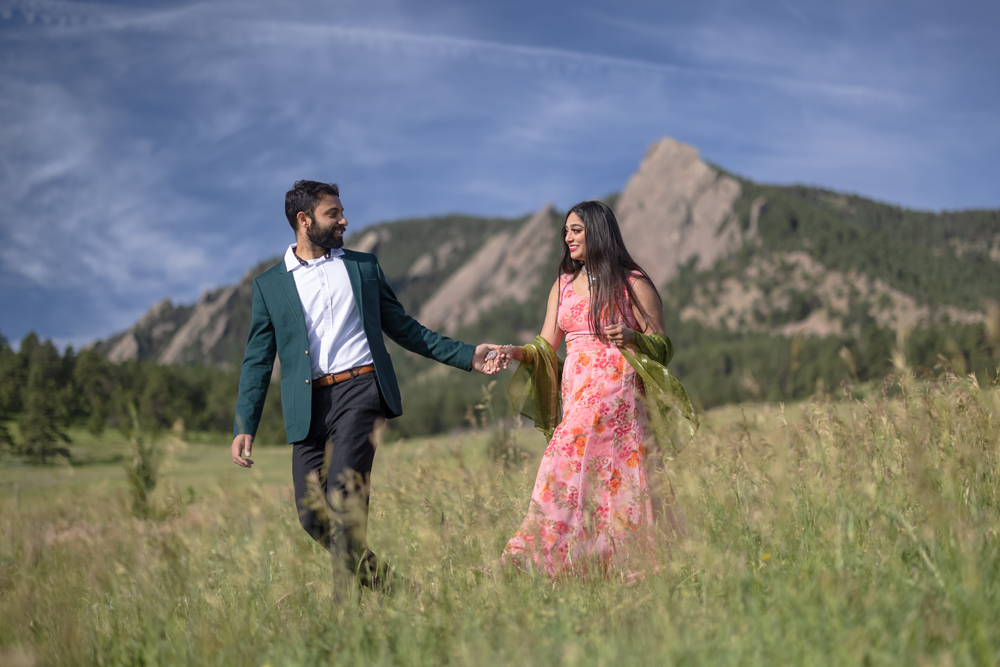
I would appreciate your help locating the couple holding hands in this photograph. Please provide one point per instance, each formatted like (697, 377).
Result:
(610, 411)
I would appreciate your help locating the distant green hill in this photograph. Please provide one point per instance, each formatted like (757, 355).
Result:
(950, 258)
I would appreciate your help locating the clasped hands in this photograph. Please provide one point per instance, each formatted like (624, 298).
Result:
(487, 359)
(490, 358)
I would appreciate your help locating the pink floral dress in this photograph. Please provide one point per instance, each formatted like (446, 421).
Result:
(590, 507)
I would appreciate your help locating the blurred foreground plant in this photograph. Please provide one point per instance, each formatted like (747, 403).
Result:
(143, 470)
(502, 446)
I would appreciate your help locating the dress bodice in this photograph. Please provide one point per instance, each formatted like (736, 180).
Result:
(574, 315)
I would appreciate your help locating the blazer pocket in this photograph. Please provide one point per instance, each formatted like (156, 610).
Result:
(288, 402)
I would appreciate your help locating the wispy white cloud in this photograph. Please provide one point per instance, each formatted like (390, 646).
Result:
(564, 62)
(732, 43)
(729, 49)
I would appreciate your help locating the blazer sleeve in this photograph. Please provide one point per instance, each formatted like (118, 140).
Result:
(258, 363)
(415, 337)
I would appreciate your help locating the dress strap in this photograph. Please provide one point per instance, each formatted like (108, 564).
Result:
(564, 279)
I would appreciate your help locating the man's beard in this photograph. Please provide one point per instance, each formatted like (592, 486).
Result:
(326, 238)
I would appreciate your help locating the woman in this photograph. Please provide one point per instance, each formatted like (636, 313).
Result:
(591, 505)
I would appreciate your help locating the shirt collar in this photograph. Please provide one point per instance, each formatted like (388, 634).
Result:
(293, 261)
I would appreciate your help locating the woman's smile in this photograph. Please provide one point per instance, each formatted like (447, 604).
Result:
(573, 235)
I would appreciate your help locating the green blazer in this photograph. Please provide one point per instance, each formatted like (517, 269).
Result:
(277, 326)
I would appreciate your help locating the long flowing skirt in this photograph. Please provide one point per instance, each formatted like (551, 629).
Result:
(591, 507)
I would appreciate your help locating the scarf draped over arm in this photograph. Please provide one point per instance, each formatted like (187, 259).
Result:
(669, 409)
(534, 390)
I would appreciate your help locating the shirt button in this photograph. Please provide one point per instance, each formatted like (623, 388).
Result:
(307, 381)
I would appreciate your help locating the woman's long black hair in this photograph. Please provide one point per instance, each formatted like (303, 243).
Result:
(608, 264)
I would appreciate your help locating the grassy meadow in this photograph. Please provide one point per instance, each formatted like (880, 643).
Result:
(836, 531)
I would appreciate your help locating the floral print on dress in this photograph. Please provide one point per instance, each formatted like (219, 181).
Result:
(590, 507)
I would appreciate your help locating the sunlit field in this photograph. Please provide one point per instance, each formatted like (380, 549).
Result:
(829, 532)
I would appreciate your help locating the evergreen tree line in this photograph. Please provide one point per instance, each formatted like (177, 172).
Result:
(45, 393)
(720, 367)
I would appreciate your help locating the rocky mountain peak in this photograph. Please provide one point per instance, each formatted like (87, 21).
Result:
(676, 207)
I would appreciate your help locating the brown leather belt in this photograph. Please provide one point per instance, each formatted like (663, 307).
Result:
(327, 380)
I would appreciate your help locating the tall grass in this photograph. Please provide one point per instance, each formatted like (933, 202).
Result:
(857, 532)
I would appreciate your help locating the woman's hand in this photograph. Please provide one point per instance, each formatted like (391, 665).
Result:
(510, 353)
(619, 334)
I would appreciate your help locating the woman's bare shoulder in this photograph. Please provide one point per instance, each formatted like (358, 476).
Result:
(639, 281)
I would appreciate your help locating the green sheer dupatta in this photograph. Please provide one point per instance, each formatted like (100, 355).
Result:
(669, 410)
(534, 389)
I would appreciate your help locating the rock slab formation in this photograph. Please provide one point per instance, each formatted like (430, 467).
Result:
(507, 267)
(675, 208)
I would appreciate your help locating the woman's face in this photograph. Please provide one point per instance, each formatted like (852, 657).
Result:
(573, 235)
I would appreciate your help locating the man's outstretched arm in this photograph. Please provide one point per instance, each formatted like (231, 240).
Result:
(255, 378)
(415, 337)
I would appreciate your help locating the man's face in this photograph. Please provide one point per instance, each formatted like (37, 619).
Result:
(327, 223)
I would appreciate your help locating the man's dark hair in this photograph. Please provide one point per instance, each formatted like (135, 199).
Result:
(304, 196)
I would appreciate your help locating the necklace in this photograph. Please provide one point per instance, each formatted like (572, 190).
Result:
(590, 279)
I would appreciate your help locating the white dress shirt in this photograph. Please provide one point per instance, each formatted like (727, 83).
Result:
(337, 342)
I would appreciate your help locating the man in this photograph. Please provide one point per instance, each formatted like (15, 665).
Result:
(323, 310)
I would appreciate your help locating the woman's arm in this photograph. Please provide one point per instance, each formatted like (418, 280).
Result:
(620, 335)
(550, 328)
(646, 295)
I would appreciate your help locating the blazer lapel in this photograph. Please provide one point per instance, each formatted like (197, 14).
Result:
(287, 282)
(354, 274)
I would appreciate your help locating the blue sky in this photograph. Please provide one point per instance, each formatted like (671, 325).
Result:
(145, 147)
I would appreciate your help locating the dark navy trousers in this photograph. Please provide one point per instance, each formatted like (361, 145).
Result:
(338, 454)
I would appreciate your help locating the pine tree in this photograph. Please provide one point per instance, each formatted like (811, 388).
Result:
(43, 414)
(94, 380)
(12, 377)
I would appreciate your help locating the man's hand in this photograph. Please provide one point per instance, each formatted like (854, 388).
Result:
(484, 365)
(619, 335)
(241, 450)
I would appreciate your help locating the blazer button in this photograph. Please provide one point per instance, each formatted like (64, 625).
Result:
(307, 353)
(307, 381)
